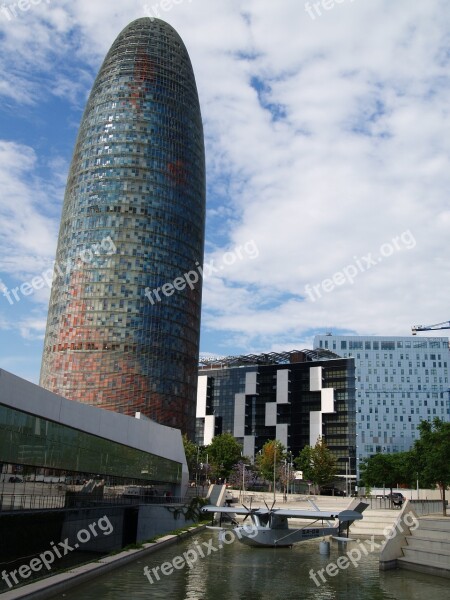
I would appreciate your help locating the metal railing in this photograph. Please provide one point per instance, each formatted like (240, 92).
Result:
(428, 506)
(12, 502)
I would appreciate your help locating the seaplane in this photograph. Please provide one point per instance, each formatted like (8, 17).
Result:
(269, 526)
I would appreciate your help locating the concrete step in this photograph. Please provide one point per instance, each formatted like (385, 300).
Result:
(430, 534)
(381, 519)
(421, 565)
(370, 525)
(427, 548)
(374, 522)
(427, 557)
(434, 523)
(366, 533)
(431, 545)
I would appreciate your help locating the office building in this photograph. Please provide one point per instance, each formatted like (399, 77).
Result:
(399, 381)
(124, 316)
(294, 397)
(46, 439)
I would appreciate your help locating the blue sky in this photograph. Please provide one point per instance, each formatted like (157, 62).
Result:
(327, 151)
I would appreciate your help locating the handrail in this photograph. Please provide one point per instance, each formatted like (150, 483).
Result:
(13, 502)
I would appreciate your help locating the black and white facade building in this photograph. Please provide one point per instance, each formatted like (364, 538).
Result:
(294, 397)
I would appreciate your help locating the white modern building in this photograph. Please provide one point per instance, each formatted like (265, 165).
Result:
(294, 397)
(43, 434)
(399, 382)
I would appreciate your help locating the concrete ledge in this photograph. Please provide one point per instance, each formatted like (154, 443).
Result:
(388, 565)
(396, 539)
(62, 582)
(430, 570)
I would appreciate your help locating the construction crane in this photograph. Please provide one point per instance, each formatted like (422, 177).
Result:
(416, 328)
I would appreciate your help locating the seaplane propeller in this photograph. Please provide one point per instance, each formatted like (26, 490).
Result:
(250, 510)
(270, 510)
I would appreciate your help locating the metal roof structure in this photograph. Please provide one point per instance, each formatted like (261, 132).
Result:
(269, 358)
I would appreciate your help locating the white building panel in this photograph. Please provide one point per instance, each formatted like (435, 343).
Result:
(251, 383)
(202, 386)
(210, 423)
(249, 446)
(315, 379)
(283, 386)
(271, 414)
(239, 415)
(327, 398)
(315, 426)
(282, 433)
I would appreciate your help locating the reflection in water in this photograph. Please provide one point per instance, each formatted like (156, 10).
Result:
(413, 585)
(238, 572)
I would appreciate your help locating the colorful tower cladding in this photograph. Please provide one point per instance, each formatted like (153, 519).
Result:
(133, 221)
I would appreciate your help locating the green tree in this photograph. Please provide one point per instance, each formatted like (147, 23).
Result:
(407, 466)
(191, 451)
(242, 472)
(433, 455)
(386, 470)
(272, 452)
(303, 462)
(223, 453)
(285, 476)
(318, 464)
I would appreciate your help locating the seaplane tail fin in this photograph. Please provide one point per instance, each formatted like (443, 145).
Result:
(348, 516)
(357, 506)
(360, 506)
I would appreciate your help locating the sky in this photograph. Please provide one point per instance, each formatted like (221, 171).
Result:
(327, 153)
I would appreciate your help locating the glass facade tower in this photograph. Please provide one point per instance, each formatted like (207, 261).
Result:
(123, 329)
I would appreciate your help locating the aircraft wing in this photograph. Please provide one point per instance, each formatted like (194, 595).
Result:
(227, 509)
(343, 515)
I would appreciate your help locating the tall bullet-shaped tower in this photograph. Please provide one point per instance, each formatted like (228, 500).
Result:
(133, 222)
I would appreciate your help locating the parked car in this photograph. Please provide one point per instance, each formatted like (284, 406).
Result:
(396, 497)
(330, 491)
(15, 479)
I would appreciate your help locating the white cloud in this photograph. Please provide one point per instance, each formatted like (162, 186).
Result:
(32, 328)
(27, 236)
(325, 139)
(360, 158)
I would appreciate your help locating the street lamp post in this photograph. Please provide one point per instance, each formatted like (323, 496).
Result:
(274, 463)
(346, 478)
(288, 472)
(349, 476)
(196, 471)
(243, 476)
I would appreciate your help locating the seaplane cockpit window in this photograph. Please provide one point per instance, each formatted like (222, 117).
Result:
(279, 522)
(264, 520)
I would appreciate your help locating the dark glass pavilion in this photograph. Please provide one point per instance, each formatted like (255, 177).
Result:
(132, 222)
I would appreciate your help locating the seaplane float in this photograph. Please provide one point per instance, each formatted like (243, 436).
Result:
(269, 527)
